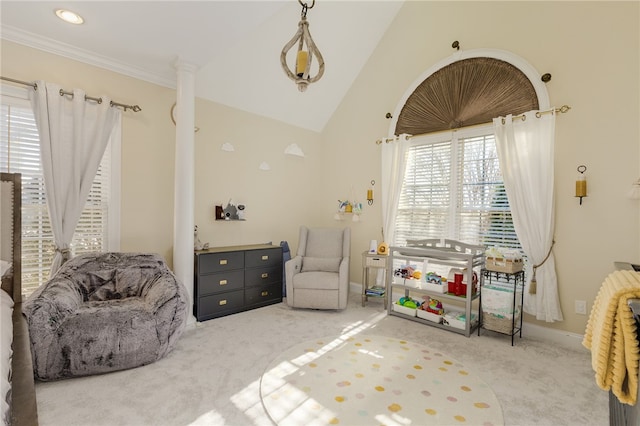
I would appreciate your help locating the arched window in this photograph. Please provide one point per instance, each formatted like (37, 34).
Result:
(465, 93)
(452, 185)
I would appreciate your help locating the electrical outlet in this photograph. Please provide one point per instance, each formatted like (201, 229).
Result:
(581, 307)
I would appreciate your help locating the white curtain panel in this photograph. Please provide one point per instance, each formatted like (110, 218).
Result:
(394, 162)
(526, 154)
(73, 136)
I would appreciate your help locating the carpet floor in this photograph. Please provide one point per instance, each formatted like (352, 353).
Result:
(213, 375)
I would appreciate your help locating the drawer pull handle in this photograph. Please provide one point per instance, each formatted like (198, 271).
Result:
(264, 293)
(223, 282)
(223, 261)
(222, 302)
(265, 275)
(265, 257)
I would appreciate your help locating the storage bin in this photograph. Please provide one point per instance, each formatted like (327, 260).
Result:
(458, 319)
(438, 288)
(498, 264)
(499, 323)
(376, 262)
(429, 316)
(499, 300)
(404, 310)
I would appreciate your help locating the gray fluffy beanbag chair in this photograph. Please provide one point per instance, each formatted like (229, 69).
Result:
(104, 312)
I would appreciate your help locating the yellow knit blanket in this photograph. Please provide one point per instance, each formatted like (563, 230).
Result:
(611, 336)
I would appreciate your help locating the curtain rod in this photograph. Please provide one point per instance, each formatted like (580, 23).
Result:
(562, 109)
(134, 108)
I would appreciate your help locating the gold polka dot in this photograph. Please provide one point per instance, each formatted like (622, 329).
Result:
(339, 398)
(417, 367)
(481, 405)
(431, 411)
(465, 388)
(359, 375)
(334, 421)
(358, 344)
(411, 376)
(313, 365)
(448, 362)
(394, 407)
(403, 342)
(375, 365)
(443, 369)
(353, 353)
(463, 373)
(380, 388)
(460, 418)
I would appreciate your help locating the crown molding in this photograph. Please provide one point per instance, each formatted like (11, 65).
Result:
(35, 41)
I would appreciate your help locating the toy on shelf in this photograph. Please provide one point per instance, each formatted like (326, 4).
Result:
(407, 306)
(408, 302)
(435, 282)
(408, 272)
(431, 309)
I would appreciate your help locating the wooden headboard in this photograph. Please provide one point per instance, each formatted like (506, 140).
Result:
(11, 231)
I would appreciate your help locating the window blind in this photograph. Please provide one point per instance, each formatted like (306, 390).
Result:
(453, 188)
(20, 153)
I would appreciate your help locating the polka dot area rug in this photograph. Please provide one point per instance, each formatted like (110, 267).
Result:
(374, 380)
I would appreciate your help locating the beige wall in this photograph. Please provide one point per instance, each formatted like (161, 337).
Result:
(278, 201)
(147, 145)
(591, 49)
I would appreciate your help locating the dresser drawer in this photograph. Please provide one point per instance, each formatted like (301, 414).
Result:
(264, 257)
(263, 295)
(218, 262)
(220, 304)
(222, 281)
(263, 276)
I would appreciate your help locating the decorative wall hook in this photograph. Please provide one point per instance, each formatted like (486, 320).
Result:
(456, 45)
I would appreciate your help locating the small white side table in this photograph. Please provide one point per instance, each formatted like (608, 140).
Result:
(373, 261)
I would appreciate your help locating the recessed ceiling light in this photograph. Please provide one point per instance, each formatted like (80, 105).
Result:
(69, 16)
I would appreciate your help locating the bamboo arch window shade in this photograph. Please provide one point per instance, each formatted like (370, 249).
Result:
(465, 93)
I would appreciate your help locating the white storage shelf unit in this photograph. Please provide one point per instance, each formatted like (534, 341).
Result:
(445, 253)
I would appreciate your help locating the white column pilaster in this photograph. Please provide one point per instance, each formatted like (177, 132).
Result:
(184, 181)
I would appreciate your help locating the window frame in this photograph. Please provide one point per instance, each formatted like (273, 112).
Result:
(19, 97)
(454, 210)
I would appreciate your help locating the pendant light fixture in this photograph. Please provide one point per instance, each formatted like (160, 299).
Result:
(307, 50)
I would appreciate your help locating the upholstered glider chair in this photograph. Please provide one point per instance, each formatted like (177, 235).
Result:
(104, 312)
(318, 276)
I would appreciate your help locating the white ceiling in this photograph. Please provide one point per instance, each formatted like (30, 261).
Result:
(236, 46)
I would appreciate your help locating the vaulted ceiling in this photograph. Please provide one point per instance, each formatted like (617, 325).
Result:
(236, 46)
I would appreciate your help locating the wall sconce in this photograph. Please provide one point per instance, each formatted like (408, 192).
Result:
(634, 192)
(370, 193)
(581, 183)
(307, 50)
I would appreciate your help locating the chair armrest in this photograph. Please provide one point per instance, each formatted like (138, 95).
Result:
(291, 268)
(53, 302)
